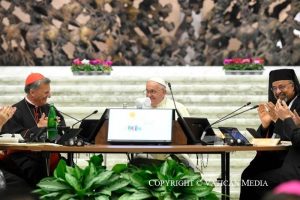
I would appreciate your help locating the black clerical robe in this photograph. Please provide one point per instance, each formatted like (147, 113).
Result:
(268, 160)
(289, 169)
(29, 165)
(25, 119)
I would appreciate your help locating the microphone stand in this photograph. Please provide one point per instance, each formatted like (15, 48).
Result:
(186, 129)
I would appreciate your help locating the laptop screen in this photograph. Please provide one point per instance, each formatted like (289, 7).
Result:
(198, 125)
(232, 132)
(140, 125)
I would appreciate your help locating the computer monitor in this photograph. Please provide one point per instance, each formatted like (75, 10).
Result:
(90, 127)
(197, 126)
(140, 126)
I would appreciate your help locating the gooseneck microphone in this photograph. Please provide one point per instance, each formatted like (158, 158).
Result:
(228, 117)
(221, 119)
(95, 111)
(68, 115)
(170, 87)
(253, 107)
(186, 129)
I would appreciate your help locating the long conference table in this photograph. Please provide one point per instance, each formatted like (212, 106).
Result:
(223, 150)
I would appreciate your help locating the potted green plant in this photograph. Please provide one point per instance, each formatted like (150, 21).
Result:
(92, 182)
(169, 180)
(91, 67)
(243, 65)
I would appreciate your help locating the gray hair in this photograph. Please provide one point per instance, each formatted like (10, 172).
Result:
(36, 84)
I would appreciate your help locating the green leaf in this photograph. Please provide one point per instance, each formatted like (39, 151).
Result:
(105, 192)
(60, 170)
(124, 196)
(38, 191)
(200, 191)
(103, 177)
(118, 168)
(164, 168)
(73, 182)
(117, 185)
(137, 180)
(100, 179)
(114, 178)
(67, 196)
(89, 174)
(127, 189)
(102, 197)
(96, 160)
(136, 196)
(74, 171)
(78, 172)
(52, 195)
(52, 186)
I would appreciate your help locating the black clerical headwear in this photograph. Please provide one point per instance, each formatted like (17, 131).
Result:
(282, 74)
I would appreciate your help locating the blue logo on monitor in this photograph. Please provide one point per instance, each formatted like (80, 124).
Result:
(134, 128)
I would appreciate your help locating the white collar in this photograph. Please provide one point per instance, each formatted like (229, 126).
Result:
(26, 99)
(291, 103)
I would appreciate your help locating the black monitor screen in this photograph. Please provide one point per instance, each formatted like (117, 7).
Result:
(90, 127)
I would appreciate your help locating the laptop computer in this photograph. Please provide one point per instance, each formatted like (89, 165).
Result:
(234, 137)
(197, 126)
(140, 126)
(90, 127)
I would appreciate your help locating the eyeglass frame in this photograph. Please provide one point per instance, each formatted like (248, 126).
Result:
(281, 87)
(152, 92)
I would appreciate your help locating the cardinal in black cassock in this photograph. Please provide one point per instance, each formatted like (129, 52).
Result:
(30, 120)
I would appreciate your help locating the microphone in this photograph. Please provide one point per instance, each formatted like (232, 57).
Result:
(178, 113)
(228, 117)
(143, 102)
(219, 120)
(222, 119)
(67, 115)
(186, 129)
(95, 111)
(253, 107)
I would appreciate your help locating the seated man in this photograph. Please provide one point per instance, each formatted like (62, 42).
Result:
(29, 118)
(156, 90)
(290, 168)
(283, 85)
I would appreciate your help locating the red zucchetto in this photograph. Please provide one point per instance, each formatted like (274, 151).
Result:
(33, 77)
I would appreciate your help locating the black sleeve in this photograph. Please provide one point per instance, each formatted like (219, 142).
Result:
(264, 132)
(17, 124)
(289, 127)
(295, 131)
(296, 138)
